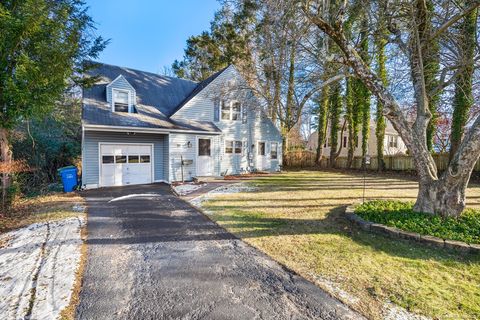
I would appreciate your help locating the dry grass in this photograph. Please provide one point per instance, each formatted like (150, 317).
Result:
(40, 209)
(297, 219)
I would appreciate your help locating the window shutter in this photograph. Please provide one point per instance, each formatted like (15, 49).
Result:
(216, 110)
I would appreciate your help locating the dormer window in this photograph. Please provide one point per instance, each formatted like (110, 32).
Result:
(121, 101)
(231, 110)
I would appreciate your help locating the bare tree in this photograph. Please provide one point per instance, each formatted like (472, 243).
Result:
(445, 194)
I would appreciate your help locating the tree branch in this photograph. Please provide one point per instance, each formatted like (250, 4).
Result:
(454, 19)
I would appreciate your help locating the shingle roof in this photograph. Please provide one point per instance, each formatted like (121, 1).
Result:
(158, 97)
(201, 85)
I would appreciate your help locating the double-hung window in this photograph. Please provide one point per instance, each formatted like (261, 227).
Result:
(274, 150)
(231, 111)
(233, 147)
(392, 141)
(121, 101)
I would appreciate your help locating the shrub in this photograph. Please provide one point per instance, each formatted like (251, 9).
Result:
(401, 215)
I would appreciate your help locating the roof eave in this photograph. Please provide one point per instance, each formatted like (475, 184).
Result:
(97, 127)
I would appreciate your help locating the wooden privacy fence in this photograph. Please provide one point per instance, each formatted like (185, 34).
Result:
(306, 159)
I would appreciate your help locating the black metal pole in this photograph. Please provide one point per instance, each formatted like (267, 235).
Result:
(364, 175)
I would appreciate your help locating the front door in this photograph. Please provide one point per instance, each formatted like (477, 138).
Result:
(262, 160)
(204, 157)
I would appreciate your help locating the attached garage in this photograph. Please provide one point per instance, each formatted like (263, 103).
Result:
(125, 164)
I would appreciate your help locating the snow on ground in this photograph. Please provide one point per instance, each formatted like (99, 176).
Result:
(394, 312)
(37, 268)
(227, 189)
(137, 195)
(186, 188)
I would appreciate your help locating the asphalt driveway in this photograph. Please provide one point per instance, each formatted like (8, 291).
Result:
(152, 256)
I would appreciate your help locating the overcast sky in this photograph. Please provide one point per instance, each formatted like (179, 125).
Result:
(149, 34)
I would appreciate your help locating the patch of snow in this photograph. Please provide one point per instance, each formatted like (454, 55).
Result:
(184, 189)
(394, 312)
(78, 208)
(43, 256)
(227, 189)
(334, 289)
(136, 195)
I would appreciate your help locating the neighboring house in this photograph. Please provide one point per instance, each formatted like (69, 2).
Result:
(139, 126)
(392, 144)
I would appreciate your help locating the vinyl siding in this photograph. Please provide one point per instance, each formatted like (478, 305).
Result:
(169, 149)
(90, 152)
(122, 84)
(178, 149)
(257, 127)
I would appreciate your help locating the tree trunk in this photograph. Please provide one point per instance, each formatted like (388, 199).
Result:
(5, 161)
(463, 98)
(334, 119)
(380, 43)
(350, 121)
(446, 199)
(322, 122)
(444, 196)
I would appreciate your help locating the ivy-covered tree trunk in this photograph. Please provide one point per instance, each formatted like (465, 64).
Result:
(463, 99)
(352, 135)
(335, 111)
(322, 122)
(288, 120)
(379, 118)
(431, 65)
(443, 195)
(362, 93)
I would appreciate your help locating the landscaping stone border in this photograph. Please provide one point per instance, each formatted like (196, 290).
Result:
(396, 233)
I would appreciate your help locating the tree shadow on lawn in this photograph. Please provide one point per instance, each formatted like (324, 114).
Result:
(335, 224)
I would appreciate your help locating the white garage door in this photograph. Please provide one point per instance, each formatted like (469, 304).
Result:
(125, 164)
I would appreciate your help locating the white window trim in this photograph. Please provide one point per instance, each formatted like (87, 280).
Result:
(230, 103)
(233, 148)
(130, 104)
(212, 151)
(278, 145)
(258, 148)
(392, 141)
(152, 160)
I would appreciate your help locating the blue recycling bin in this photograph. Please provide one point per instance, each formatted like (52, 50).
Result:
(69, 178)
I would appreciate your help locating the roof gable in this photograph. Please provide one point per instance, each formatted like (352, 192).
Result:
(199, 88)
(162, 92)
(120, 81)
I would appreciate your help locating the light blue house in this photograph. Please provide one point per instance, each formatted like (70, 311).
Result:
(139, 127)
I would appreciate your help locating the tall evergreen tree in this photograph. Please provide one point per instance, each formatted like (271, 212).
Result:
(42, 47)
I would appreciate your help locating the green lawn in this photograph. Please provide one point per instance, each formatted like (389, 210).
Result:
(296, 218)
